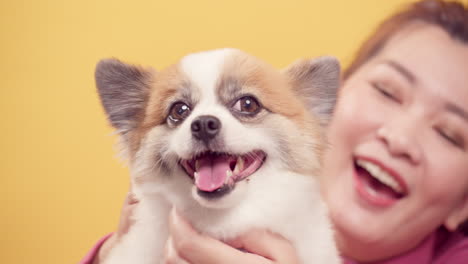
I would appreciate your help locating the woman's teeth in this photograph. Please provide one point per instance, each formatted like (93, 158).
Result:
(381, 175)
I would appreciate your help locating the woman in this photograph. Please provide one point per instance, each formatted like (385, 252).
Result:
(396, 174)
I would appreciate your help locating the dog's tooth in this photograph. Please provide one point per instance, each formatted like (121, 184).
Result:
(239, 165)
(236, 169)
(229, 176)
(195, 175)
(197, 165)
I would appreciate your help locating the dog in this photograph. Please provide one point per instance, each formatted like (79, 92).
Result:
(230, 141)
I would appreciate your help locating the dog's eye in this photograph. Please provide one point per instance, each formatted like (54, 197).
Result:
(247, 105)
(179, 111)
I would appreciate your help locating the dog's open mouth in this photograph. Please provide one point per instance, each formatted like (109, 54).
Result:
(212, 171)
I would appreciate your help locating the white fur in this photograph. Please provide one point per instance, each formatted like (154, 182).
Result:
(204, 69)
(275, 198)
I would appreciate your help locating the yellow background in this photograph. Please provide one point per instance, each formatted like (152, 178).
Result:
(61, 183)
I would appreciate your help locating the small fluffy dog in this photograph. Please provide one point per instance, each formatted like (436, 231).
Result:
(231, 142)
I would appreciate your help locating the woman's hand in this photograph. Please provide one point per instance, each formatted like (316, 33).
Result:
(187, 246)
(125, 222)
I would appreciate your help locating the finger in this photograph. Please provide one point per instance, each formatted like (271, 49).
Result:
(170, 255)
(105, 249)
(131, 198)
(196, 248)
(268, 245)
(126, 214)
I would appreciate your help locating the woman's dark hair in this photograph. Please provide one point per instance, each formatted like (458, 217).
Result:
(450, 16)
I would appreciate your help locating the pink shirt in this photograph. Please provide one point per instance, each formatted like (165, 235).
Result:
(442, 247)
(88, 259)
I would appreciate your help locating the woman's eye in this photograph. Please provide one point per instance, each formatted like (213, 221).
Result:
(247, 105)
(385, 91)
(179, 111)
(452, 139)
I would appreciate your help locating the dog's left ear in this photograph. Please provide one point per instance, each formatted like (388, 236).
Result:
(124, 90)
(316, 82)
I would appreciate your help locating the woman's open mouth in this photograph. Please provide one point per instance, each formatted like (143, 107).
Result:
(214, 171)
(377, 184)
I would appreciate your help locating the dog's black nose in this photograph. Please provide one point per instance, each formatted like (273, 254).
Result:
(205, 127)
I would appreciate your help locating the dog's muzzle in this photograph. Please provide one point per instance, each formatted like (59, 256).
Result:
(216, 174)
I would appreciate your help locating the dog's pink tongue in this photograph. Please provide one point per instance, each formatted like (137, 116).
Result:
(212, 172)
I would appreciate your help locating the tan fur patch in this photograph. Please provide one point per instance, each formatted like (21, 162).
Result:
(276, 93)
(267, 83)
(165, 85)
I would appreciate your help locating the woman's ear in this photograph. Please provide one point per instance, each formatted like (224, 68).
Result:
(458, 215)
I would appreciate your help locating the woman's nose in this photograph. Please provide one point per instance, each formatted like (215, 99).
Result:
(401, 139)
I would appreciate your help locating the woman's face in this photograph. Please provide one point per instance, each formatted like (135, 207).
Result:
(398, 164)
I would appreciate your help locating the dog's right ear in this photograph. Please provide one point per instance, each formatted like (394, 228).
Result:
(316, 82)
(124, 90)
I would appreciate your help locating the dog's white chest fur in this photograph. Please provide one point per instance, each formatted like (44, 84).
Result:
(229, 141)
(290, 206)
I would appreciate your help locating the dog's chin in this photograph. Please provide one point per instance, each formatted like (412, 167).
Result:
(225, 201)
(220, 179)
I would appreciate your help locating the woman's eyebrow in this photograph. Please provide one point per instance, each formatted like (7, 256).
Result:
(457, 110)
(451, 107)
(402, 70)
